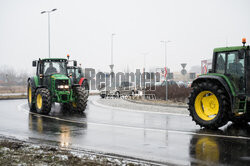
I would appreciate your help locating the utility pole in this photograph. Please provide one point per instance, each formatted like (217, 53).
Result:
(48, 12)
(165, 45)
(112, 64)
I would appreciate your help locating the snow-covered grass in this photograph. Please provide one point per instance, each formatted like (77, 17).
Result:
(14, 152)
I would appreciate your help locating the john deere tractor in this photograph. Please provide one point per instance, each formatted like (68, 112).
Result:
(51, 84)
(223, 94)
(76, 75)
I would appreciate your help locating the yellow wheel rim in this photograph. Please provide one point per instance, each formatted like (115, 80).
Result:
(206, 105)
(207, 149)
(39, 101)
(74, 104)
(30, 95)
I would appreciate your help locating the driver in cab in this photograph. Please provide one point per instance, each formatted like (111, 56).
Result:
(51, 69)
(236, 67)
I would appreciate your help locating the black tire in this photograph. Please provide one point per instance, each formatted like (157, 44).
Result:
(221, 117)
(31, 96)
(43, 101)
(81, 99)
(103, 96)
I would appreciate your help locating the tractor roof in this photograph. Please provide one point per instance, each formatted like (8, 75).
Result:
(224, 49)
(73, 67)
(54, 59)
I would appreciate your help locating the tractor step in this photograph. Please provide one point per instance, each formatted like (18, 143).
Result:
(242, 105)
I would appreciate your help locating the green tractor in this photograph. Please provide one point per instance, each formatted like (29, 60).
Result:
(51, 84)
(223, 94)
(76, 75)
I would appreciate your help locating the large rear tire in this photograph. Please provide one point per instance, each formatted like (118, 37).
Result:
(85, 85)
(208, 105)
(81, 99)
(31, 96)
(43, 101)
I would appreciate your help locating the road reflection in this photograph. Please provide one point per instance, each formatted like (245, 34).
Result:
(65, 136)
(58, 129)
(211, 150)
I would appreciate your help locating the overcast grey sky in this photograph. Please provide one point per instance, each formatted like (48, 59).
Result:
(83, 28)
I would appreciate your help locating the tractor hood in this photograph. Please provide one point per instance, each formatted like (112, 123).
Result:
(59, 77)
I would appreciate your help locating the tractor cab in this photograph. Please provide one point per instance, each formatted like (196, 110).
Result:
(52, 73)
(233, 63)
(50, 66)
(76, 75)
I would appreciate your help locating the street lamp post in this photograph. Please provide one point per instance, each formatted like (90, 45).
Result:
(165, 44)
(112, 64)
(48, 25)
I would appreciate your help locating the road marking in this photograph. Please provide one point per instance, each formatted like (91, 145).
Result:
(137, 111)
(20, 107)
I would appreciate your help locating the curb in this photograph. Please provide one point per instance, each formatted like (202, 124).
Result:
(12, 97)
(163, 105)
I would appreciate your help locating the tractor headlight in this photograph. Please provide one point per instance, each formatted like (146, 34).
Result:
(60, 86)
(63, 86)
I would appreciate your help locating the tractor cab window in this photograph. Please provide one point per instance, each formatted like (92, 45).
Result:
(220, 63)
(235, 70)
(235, 65)
(71, 72)
(78, 75)
(54, 68)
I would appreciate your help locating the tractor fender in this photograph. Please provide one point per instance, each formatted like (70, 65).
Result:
(220, 82)
(81, 81)
(32, 81)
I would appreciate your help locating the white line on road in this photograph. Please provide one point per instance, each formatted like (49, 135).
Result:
(20, 107)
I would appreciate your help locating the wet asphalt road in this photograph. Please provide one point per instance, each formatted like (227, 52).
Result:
(158, 137)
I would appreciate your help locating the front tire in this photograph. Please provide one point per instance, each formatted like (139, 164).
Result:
(43, 101)
(31, 96)
(208, 105)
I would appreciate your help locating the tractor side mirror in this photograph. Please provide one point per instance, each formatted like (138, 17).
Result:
(34, 63)
(75, 63)
(241, 54)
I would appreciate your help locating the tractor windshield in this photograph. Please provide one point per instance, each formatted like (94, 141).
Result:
(54, 67)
